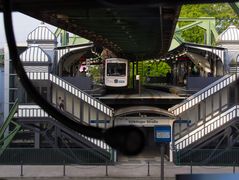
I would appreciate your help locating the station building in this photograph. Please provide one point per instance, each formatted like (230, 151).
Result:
(52, 69)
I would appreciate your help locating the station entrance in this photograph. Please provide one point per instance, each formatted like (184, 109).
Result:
(147, 118)
(151, 150)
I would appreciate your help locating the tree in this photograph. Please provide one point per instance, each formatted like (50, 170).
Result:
(223, 13)
(156, 68)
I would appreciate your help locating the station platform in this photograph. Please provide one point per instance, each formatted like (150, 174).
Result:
(146, 97)
(146, 93)
(177, 90)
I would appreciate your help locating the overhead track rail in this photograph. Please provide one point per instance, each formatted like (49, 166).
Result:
(134, 29)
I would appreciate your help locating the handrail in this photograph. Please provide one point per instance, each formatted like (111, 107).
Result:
(73, 90)
(203, 94)
(207, 127)
(99, 143)
(30, 111)
(36, 111)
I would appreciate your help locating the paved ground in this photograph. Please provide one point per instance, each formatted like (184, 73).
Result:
(116, 172)
(90, 178)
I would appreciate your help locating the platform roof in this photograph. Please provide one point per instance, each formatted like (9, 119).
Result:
(42, 33)
(135, 29)
(230, 35)
(34, 54)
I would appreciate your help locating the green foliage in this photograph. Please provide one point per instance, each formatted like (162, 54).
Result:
(195, 34)
(223, 13)
(156, 68)
(95, 73)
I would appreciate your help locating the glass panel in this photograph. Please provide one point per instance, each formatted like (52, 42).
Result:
(116, 69)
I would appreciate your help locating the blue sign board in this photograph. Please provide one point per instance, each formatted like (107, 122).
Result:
(162, 133)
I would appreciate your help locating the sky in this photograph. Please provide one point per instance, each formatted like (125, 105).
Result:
(23, 25)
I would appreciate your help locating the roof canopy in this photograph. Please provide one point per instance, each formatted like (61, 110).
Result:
(41, 33)
(135, 29)
(231, 34)
(34, 54)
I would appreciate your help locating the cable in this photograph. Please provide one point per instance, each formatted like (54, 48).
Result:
(30, 89)
(127, 139)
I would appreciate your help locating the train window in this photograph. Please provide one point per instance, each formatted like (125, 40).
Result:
(116, 69)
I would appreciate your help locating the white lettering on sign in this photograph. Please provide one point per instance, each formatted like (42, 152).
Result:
(162, 135)
(143, 122)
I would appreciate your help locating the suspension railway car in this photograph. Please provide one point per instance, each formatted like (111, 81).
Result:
(116, 72)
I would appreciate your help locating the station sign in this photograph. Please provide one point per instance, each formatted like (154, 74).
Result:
(162, 133)
(143, 122)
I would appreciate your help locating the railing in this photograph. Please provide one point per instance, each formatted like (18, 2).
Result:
(99, 143)
(53, 156)
(208, 157)
(73, 90)
(234, 69)
(203, 94)
(27, 111)
(207, 127)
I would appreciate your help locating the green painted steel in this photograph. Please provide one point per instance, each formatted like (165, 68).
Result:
(207, 23)
(235, 7)
(8, 139)
(66, 39)
(9, 118)
(53, 156)
(5, 136)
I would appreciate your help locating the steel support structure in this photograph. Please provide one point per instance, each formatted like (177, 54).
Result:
(207, 23)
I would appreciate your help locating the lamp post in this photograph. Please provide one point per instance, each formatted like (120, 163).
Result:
(178, 121)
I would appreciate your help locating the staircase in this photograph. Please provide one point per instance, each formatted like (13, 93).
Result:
(77, 102)
(203, 94)
(99, 149)
(205, 129)
(34, 111)
(195, 136)
(33, 114)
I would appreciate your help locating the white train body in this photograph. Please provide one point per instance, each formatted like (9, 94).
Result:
(116, 72)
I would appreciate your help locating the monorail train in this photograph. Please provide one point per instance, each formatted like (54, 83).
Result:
(116, 72)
